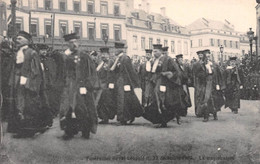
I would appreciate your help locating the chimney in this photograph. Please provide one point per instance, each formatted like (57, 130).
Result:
(140, 7)
(148, 8)
(163, 11)
(144, 5)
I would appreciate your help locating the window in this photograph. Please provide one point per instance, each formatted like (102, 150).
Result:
(47, 4)
(225, 43)
(76, 7)
(231, 44)
(18, 27)
(165, 43)
(200, 42)
(218, 42)
(90, 7)
(158, 41)
(77, 28)
(117, 32)
(150, 43)
(212, 43)
(48, 29)
(243, 52)
(62, 6)
(34, 27)
(179, 47)
(104, 10)
(116, 9)
(63, 28)
(91, 31)
(237, 46)
(135, 44)
(173, 46)
(143, 43)
(104, 30)
(185, 48)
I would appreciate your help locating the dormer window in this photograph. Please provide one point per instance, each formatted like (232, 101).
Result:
(151, 17)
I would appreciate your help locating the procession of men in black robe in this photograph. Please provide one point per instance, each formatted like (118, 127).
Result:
(81, 87)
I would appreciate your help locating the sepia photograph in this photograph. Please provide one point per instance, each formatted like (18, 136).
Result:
(129, 81)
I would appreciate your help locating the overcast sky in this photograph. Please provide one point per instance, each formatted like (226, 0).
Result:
(240, 13)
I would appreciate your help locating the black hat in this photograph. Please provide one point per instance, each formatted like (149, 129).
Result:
(93, 53)
(24, 34)
(199, 52)
(42, 46)
(157, 46)
(165, 49)
(233, 58)
(104, 50)
(119, 45)
(68, 37)
(207, 51)
(148, 51)
(179, 56)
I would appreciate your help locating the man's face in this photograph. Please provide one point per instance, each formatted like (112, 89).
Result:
(180, 60)
(43, 52)
(148, 56)
(232, 63)
(200, 56)
(73, 44)
(21, 41)
(208, 56)
(157, 53)
(104, 56)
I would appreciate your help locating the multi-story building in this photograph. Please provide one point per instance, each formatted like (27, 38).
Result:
(211, 34)
(245, 45)
(145, 29)
(93, 20)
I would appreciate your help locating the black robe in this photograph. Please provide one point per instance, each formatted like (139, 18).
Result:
(127, 103)
(30, 108)
(106, 107)
(79, 71)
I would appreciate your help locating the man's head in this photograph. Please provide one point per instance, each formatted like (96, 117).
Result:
(23, 38)
(200, 55)
(232, 61)
(207, 54)
(157, 50)
(179, 58)
(165, 51)
(120, 47)
(72, 39)
(42, 48)
(104, 53)
(148, 54)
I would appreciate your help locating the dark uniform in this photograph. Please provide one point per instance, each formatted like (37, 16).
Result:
(106, 107)
(30, 112)
(77, 109)
(234, 81)
(166, 86)
(127, 85)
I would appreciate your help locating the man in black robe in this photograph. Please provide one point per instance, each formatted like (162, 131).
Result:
(185, 94)
(166, 85)
(30, 112)
(127, 87)
(145, 76)
(234, 82)
(106, 107)
(77, 109)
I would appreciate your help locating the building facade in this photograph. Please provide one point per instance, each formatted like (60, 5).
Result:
(211, 34)
(93, 20)
(145, 29)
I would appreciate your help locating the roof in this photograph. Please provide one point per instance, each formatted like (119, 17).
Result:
(203, 23)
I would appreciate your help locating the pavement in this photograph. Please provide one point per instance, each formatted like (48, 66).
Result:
(234, 138)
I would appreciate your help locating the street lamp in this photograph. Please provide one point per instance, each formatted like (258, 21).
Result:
(221, 49)
(250, 35)
(13, 5)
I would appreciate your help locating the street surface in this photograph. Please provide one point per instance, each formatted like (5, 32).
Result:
(231, 139)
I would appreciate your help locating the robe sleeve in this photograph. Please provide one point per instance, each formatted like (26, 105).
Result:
(132, 75)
